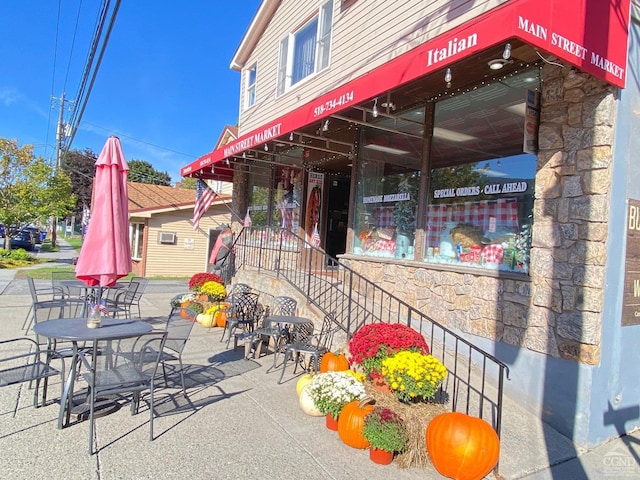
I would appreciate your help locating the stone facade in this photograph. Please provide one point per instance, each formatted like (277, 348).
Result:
(557, 309)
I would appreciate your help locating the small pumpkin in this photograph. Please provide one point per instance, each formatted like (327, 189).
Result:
(206, 319)
(302, 382)
(334, 362)
(221, 315)
(183, 311)
(461, 446)
(307, 404)
(351, 422)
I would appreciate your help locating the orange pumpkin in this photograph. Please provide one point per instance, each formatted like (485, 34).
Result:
(351, 422)
(220, 317)
(183, 312)
(334, 362)
(461, 446)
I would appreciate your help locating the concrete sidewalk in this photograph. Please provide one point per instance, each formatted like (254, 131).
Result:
(237, 422)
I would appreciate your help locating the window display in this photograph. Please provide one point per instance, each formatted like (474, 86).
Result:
(480, 201)
(388, 184)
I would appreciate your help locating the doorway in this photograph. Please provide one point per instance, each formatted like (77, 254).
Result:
(337, 215)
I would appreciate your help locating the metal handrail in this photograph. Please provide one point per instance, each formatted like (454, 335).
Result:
(475, 383)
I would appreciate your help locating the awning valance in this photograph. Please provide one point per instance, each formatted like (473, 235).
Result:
(591, 35)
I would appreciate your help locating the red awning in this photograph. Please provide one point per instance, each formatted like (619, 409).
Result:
(589, 34)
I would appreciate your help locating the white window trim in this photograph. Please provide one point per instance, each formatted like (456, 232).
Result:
(289, 39)
(134, 231)
(248, 87)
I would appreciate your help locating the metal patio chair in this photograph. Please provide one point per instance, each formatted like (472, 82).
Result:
(131, 368)
(21, 360)
(179, 325)
(313, 346)
(280, 305)
(241, 314)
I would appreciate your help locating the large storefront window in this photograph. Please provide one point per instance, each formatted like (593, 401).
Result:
(287, 198)
(480, 202)
(259, 198)
(388, 183)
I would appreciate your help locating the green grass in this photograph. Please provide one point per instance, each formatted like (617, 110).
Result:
(44, 273)
(75, 242)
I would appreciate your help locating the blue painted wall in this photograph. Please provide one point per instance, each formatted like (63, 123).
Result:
(615, 403)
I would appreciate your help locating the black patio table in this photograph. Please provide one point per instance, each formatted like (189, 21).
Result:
(76, 330)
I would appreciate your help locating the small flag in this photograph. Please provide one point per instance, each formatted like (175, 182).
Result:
(102, 308)
(247, 220)
(204, 196)
(315, 237)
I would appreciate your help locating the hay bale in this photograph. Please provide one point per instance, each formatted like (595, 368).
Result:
(416, 417)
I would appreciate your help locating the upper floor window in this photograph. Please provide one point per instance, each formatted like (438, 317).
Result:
(251, 75)
(305, 51)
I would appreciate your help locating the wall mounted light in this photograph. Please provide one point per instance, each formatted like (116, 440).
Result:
(291, 137)
(213, 170)
(244, 155)
(325, 126)
(447, 77)
(266, 147)
(497, 63)
(228, 164)
(506, 53)
(374, 111)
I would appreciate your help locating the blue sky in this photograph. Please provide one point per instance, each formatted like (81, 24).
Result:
(164, 85)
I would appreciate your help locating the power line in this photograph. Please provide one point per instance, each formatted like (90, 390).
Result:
(82, 98)
(123, 135)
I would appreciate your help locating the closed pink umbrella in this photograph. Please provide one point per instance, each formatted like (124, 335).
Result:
(106, 252)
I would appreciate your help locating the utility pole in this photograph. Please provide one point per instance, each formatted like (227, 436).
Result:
(60, 136)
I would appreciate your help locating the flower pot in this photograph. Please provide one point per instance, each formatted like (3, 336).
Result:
(380, 384)
(381, 457)
(332, 423)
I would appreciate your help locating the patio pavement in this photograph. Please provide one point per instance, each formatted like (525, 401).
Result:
(237, 422)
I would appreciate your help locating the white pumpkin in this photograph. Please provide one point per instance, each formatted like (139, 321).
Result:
(206, 320)
(307, 405)
(199, 318)
(303, 381)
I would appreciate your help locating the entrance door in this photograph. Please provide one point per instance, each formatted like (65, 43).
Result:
(337, 215)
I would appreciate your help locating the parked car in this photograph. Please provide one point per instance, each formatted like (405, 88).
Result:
(23, 239)
(1, 230)
(35, 231)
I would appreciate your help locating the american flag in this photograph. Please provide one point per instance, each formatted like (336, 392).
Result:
(247, 220)
(204, 196)
(315, 237)
(102, 308)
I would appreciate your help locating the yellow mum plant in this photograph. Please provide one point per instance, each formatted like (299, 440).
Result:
(413, 375)
(215, 290)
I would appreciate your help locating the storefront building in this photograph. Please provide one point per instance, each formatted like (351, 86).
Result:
(473, 158)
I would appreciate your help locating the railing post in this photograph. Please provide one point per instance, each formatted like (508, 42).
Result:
(279, 258)
(310, 251)
(349, 298)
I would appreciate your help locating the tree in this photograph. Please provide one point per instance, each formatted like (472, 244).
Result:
(143, 172)
(29, 189)
(188, 183)
(81, 168)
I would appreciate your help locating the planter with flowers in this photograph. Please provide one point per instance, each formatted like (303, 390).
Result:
(371, 344)
(331, 391)
(413, 376)
(199, 279)
(384, 429)
(215, 291)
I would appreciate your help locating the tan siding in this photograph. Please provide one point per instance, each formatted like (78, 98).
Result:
(366, 34)
(177, 260)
